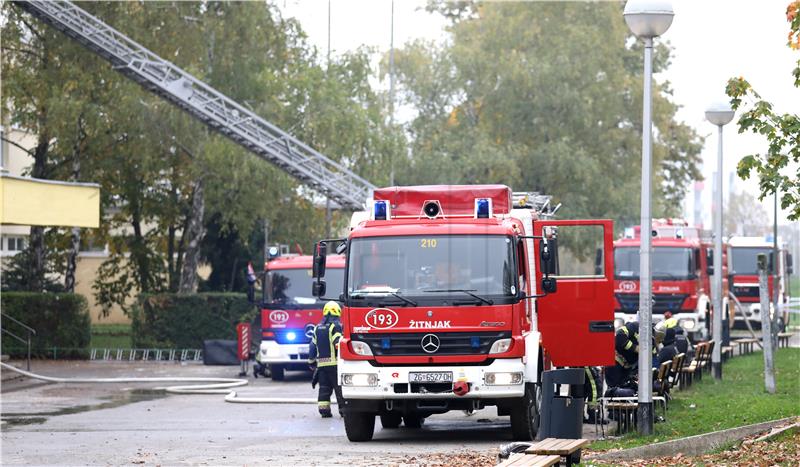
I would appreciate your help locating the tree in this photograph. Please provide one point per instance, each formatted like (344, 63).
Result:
(544, 97)
(744, 215)
(778, 168)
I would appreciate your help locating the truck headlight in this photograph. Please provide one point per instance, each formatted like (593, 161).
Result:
(359, 379)
(361, 348)
(503, 379)
(687, 324)
(500, 346)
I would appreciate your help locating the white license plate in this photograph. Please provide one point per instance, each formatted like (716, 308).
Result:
(302, 349)
(431, 377)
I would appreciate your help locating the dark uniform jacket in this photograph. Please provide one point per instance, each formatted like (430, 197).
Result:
(324, 343)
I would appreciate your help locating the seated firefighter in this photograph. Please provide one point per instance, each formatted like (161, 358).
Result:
(621, 378)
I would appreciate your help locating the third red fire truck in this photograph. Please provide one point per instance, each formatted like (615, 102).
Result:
(451, 303)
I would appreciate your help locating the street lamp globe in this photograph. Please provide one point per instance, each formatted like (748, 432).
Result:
(719, 113)
(648, 18)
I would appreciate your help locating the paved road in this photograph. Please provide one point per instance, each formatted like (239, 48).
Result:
(47, 424)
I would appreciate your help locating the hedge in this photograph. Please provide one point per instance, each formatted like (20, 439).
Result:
(184, 321)
(61, 321)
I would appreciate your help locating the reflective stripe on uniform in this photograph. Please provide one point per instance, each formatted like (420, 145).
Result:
(594, 386)
(324, 403)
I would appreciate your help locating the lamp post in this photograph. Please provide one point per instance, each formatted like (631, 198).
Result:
(719, 114)
(646, 19)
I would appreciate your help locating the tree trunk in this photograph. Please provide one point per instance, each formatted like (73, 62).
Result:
(37, 247)
(194, 235)
(75, 244)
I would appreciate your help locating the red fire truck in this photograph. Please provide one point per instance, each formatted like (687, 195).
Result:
(682, 266)
(743, 252)
(451, 303)
(289, 313)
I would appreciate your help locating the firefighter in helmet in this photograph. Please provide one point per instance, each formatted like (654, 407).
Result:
(322, 355)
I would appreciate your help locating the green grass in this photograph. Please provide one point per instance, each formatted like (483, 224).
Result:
(111, 336)
(739, 399)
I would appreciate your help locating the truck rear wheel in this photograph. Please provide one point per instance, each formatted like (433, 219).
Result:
(359, 426)
(413, 421)
(277, 372)
(525, 414)
(391, 420)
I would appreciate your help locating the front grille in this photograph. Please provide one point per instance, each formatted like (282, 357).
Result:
(450, 343)
(746, 291)
(629, 302)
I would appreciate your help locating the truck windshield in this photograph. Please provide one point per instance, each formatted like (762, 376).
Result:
(667, 263)
(293, 286)
(745, 260)
(432, 266)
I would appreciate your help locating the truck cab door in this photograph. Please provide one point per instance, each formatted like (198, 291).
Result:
(577, 321)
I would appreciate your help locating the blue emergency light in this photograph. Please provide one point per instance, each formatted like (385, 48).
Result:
(475, 342)
(482, 208)
(380, 210)
(386, 343)
(291, 336)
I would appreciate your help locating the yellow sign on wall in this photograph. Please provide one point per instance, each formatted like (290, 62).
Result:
(31, 201)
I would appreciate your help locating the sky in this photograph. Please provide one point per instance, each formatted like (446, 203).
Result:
(713, 41)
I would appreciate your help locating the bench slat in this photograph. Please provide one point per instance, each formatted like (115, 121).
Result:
(561, 447)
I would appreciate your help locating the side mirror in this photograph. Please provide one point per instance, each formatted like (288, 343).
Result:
(710, 262)
(548, 285)
(320, 256)
(341, 248)
(318, 288)
(548, 256)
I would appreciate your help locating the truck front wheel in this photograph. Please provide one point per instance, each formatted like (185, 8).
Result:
(359, 426)
(277, 372)
(525, 414)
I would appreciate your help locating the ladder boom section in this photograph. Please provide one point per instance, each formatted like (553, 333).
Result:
(205, 103)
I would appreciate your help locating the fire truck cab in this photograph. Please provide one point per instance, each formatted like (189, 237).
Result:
(289, 313)
(458, 297)
(743, 252)
(682, 266)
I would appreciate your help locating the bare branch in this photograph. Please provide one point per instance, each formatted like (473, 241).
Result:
(27, 151)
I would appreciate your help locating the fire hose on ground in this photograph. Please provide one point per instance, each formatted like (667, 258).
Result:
(211, 385)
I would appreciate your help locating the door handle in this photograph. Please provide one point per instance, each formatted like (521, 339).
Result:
(601, 326)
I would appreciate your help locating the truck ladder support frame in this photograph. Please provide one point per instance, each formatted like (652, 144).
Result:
(205, 103)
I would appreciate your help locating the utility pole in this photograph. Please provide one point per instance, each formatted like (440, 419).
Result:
(766, 324)
(391, 91)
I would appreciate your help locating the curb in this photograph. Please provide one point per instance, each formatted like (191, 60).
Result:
(693, 445)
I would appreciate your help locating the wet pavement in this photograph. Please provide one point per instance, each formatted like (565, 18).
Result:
(100, 424)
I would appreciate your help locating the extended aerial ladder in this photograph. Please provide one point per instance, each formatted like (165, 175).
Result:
(205, 103)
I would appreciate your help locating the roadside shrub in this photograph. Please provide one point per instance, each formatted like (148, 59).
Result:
(61, 321)
(184, 321)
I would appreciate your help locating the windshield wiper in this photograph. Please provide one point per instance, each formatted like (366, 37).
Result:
(361, 294)
(466, 291)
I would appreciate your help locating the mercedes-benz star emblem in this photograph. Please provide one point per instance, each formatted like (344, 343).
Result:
(309, 330)
(430, 343)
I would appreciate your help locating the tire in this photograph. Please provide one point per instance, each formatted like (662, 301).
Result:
(413, 421)
(525, 414)
(277, 373)
(359, 426)
(391, 420)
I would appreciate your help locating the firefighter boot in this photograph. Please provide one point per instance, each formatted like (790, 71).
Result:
(325, 409)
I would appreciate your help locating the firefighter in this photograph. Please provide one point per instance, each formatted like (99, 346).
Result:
(620, 377)
(592, 385)
(322, 356)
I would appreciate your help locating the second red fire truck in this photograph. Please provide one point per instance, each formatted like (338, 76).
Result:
(682, 266)
(289, 313)
(457, 298)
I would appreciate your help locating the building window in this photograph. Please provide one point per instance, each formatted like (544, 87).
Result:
(14, 243)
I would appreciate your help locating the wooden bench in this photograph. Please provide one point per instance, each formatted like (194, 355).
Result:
(521, 459)
(745, 345)
(570, 449)
(727, 352)
(783, 339)
(625, 415)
